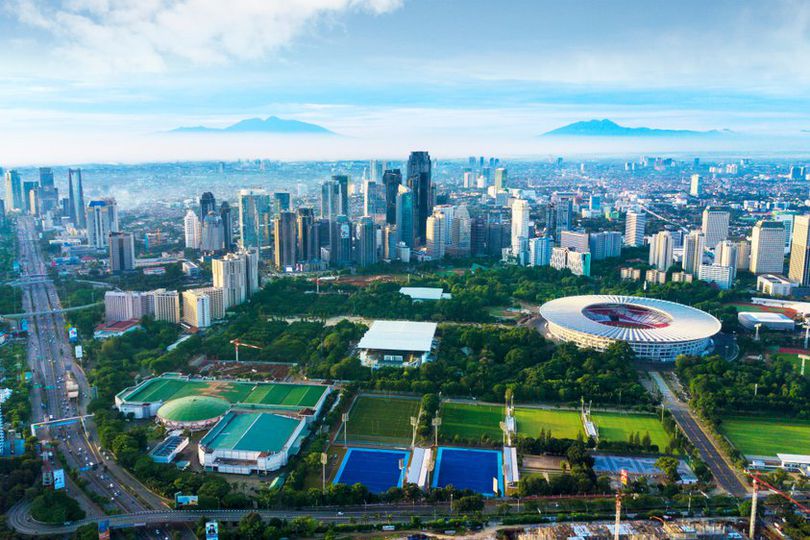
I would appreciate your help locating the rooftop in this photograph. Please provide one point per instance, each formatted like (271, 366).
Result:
(763, 316)
(425, 293)
(251, 432)
(399, 336)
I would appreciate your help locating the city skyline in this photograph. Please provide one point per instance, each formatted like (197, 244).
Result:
(79, 74)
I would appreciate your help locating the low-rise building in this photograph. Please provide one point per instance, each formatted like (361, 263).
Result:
(774, 285)
(397, 343)
(771, 321)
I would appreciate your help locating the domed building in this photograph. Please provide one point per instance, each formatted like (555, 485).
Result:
(192, 412)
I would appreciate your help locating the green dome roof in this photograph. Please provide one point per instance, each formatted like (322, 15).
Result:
(193, 409)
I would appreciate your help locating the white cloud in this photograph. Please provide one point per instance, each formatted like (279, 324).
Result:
(125, 36)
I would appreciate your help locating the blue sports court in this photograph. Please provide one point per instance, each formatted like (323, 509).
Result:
(378, 470)
(466, 468)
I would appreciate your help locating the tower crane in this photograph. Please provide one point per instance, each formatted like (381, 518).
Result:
(237, 343)
(752, 526)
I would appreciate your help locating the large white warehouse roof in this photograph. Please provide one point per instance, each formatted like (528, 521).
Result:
(399, 336)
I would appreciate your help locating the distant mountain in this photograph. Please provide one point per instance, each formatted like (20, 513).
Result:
(273, 124)
(608, 128)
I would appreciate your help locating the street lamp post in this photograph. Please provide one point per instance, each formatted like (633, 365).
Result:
(345, 418)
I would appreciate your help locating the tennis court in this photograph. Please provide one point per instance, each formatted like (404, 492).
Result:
(378, 470)
(466, 468)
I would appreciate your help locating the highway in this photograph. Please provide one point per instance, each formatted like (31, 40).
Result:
(50, 357)
(723, 472)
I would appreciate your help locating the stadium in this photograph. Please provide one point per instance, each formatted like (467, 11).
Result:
(655, 329)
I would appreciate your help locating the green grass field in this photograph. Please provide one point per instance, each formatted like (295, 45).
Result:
(382, 420)
(618, 427)
(796, 361)
(471, 422)
(285, 395)
(766, 437)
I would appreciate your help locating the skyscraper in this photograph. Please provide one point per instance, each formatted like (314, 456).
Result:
(285, 233)
(366, 242)
(520, 224)
(207, 204)
(799, 271)
(661, 250)
(500, 178)
(540, 251)
(101, 220)
(227, 225)
(696, 185)
(14, 191)
(434, 235)
(559, 214)
(461, 232)
(76, 198)
(342, 182)
(282, 200)
(230, 274)
(254, 218)
(122, 252)
(341, 242)
(330, 199)
(605, 244)
(192, 229)
(635, 222)
(767, 248)
(307, 235)
(419, 181)
(46, 177)
(48, 194)
(725, 253)
(694, 245)
(374, 204)
(715, 226)
(212, 238)
(405, 215)
(391, 179)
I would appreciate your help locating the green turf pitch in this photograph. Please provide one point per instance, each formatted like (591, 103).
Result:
(563, 424)
(470, 422)
(767, 437)
(618, 427)
(382, 420)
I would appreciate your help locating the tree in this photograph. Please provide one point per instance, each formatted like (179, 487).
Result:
(251, 527)
(669, 466)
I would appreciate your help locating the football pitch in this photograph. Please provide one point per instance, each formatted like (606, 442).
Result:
(270, 394)
(755, 436)
(471, 422)
(383, 420)
(618, 427)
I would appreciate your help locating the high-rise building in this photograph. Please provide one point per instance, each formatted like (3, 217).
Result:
(101, 220)
(694, 244)
(14, 192)
(635, 222)
(605, 244)
(715, 226)
(285, 233)
(540, 251)
(575, 241)
(366, 242)
(122, 252)
(420, 182)
(192, 229)
(520, 224)
(743, 255)
(405, 215)
(341, 242)
(725, 254)
(196, 308)
(661, 251)
(722, 276)
(578, 263)
(768, 248)
(76, 198)
(342, 187)
(227, 225)
(165, 305)
(212, 238)
(230, 274)
(330, 200)
(254, 218)
(30, 197)
(559, 215)
(48, 195)
(308, 248)
(374, 201)
(391, 180)
(208, 204)
(46, 177)
(282, 200)
(125, 306)
(435, 235)
(799, 270)
(696, 185)
(787, 219)
(500, 178)
(460, 233)
(390, 241)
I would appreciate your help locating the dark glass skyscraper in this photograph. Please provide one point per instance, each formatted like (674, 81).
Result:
(405, 215)
(366, 242)
(207, 204)
(308, 248)
(227, 225)
(419, 180)
(282, 200)
(76, 197)
(391, 179)
(285, 240)
(343, 193)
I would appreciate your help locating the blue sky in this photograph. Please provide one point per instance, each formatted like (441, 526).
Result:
(96, 79)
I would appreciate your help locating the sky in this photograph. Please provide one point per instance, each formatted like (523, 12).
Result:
(103, 80)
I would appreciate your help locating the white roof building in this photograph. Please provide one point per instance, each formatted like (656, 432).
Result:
(397, 343)
(425, 293)
(771, 321)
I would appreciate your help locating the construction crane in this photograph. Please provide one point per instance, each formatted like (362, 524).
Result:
(237, 343)
(752, 526)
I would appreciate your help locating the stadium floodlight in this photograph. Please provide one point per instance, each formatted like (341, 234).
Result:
(436, 422)
(324, 459)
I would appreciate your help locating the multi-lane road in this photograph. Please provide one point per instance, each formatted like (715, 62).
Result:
(50, 357)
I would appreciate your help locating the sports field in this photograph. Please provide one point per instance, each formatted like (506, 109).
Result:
(251, 432)
(471, 422)
(618, 427)
(278, 394)
(767, 437)
(794, 359)
(382, 420)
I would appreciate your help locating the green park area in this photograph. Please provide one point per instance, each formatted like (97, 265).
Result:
(754, 436)
(384, 420)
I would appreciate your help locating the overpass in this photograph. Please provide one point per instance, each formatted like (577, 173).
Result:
(49, 312)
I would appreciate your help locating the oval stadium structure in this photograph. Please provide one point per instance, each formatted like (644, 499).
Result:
(655, 329)
(192, 412)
